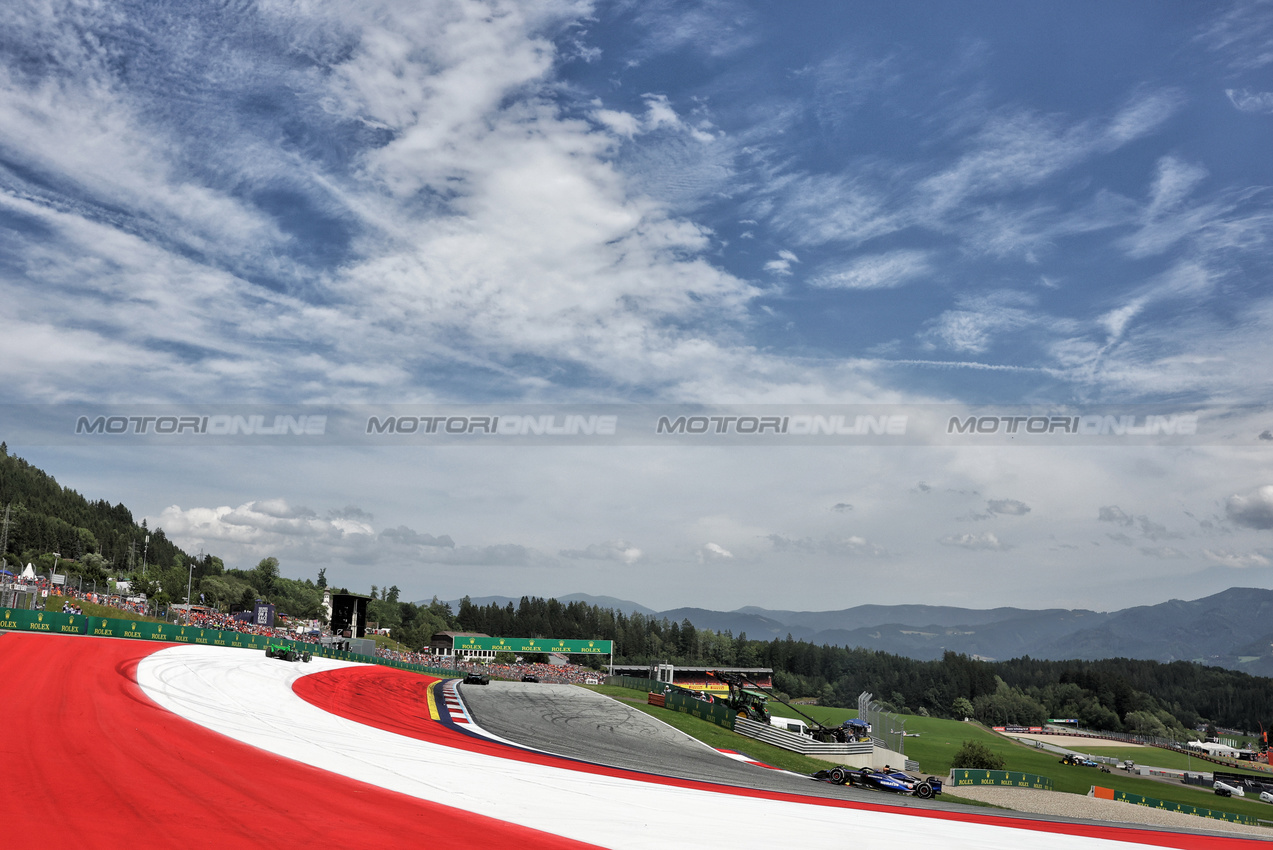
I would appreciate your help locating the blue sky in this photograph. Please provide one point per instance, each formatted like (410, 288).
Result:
(453, 202)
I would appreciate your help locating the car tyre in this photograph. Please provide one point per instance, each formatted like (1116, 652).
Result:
(269, 653)
(838, 776)
(924, 791)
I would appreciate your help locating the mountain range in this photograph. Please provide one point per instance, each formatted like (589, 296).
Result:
(1231, 629)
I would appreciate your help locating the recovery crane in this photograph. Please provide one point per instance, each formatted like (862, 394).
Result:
(753, 707)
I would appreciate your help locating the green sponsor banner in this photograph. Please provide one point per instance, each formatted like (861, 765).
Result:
(1168, 806)
(194, 634)
(51, 622)
(711, 712)
(562, 647)
(1008, 778)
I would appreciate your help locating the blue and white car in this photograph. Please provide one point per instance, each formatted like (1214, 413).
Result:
(896, 781)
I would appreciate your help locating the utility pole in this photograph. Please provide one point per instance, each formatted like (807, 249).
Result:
(4, 538)
(144, 549)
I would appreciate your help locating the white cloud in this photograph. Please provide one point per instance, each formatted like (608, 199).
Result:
(1240, 560)
(1245, 100)
(984, 541)
(881, 271)
(838, 547)
(612, 550)
(1014, 150)
(256, 525)
(1252, 510)
(1242, 35)
(782, 265)
(980, 320)
(714, 552)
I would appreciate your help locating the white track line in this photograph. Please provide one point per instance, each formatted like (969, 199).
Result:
(248, 697)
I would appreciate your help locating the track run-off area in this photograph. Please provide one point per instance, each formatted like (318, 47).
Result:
(119, 743)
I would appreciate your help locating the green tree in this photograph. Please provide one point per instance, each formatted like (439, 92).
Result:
(266, 574)
(977, 756)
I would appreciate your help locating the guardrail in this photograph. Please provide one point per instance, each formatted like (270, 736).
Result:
(799, 743)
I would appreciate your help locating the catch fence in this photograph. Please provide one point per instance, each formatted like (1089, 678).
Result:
(888, 730)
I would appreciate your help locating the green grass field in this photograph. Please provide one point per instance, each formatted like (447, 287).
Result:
(937, 742)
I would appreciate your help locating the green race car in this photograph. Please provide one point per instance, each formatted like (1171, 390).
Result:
(286, 652)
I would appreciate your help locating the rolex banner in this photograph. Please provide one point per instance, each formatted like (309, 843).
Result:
(52, 622)
(561, 647)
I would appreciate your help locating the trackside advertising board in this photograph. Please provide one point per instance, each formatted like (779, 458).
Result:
(1009, 778)
(561, 647)
(53, 622)
(1168, 806)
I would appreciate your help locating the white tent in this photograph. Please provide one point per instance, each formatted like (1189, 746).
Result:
(1213, 749)
(29, 572)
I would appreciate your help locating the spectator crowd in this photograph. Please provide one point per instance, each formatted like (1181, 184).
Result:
(203, 619)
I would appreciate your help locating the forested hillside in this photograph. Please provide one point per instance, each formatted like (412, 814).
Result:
(45, 517)
(1116, 694)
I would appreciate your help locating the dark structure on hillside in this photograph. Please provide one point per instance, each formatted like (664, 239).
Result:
(349, 615)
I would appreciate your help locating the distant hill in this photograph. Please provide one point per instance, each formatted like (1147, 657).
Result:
(1232, 629)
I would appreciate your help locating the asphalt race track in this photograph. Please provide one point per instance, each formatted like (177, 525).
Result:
(117, 743)
(582, 725)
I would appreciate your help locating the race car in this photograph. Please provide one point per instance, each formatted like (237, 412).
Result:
(286, 652)
(882, 780)
(834, 775)
(477, 679)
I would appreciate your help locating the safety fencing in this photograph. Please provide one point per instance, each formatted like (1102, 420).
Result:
(1007, 778)
(799, 743)
(636, 683)
(54, 622)
(888, 729)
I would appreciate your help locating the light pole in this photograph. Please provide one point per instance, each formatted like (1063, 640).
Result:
(144, 549)
(189, 580)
